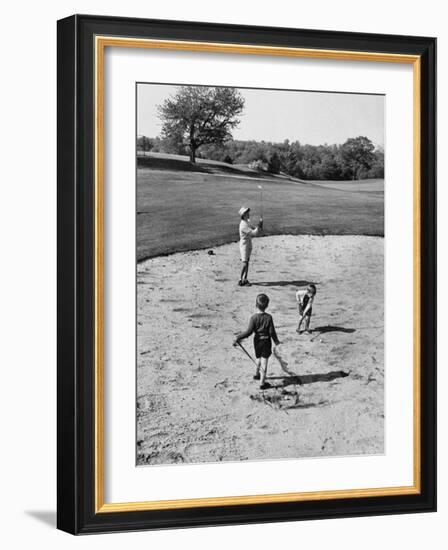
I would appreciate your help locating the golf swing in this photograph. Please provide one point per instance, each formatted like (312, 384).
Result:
(246, 233)
(261, 202)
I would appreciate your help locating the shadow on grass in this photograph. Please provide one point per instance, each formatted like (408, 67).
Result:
(183, 165)
(283, 283)
(308, 378)
(169, 164)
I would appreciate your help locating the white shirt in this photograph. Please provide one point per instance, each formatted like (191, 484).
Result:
(300, 295)
(247, 232)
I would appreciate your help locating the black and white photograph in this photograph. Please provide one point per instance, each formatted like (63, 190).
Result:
(260, 274)
(219, 275)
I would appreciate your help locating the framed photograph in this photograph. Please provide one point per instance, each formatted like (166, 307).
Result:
(246, 274)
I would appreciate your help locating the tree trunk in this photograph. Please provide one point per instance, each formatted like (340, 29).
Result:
(192, 154)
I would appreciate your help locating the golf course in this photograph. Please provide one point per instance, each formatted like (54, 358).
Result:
(196, 399)
(187, 207)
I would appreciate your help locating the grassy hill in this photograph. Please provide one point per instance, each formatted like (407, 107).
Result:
(185, 207)
(163, 161)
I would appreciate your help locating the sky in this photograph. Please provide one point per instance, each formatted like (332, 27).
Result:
(313, 118)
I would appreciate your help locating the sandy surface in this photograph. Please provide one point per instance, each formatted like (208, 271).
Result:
(196, 399)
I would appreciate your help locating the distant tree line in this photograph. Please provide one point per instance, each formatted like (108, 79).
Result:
(357, 158)
(198, 121)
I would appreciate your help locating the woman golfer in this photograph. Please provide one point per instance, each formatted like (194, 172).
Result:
(246, 234)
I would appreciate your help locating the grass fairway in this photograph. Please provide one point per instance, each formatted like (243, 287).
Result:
(179, 209)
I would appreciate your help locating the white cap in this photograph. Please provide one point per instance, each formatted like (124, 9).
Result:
(243, 210)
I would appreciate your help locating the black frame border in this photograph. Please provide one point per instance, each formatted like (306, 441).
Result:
(76, 262)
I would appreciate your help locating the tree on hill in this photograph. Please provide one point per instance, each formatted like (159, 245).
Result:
(377, 168)
(274, 164)
(200, 115)
(144, 144)
(357, 155)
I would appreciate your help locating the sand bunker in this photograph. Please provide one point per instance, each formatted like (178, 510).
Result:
(196, 399)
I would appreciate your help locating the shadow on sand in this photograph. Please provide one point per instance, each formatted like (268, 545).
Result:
(308, 378)
(303, 406)
(331, 328)
(283, 283)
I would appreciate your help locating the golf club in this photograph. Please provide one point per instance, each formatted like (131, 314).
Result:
(247, 353)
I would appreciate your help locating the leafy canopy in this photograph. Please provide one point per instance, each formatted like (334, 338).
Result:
(357, 153)
(200, 115)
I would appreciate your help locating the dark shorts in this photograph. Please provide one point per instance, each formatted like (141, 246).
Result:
(263, 348)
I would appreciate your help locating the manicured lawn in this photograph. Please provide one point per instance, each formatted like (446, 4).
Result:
(180, 209)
